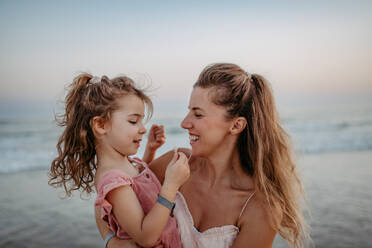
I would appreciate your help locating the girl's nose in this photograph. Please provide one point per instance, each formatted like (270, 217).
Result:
(142, 129)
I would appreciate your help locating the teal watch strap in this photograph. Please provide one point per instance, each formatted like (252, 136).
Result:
(107, 239)
(166, 203)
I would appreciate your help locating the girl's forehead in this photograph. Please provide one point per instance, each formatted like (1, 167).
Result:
(131, 103)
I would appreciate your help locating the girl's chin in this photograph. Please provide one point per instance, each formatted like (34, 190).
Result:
(131, 153)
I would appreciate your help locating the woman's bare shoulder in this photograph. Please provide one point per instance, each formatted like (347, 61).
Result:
(258, 210)
(256, 224)
(186, 151)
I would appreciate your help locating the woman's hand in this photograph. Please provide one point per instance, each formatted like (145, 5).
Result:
(156, 138)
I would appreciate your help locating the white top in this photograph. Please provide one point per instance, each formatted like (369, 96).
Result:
(216, 237)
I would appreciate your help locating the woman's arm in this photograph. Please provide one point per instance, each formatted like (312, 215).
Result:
(104, 231)
(255, 229)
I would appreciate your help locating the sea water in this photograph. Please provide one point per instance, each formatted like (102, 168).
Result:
(28, 141)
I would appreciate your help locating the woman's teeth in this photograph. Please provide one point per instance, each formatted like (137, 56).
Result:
(193, 138)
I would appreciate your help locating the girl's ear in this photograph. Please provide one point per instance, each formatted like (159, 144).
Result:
(99, 126)
(238, 125)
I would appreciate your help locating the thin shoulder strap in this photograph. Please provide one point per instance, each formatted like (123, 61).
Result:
(245, 204)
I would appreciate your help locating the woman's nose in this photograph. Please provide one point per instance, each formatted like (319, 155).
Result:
(186, 124)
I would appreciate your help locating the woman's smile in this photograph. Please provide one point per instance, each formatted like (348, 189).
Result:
(193, 138)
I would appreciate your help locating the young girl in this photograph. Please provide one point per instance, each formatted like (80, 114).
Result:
(103, 127)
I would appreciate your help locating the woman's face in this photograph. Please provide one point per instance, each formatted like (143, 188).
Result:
(206, 124)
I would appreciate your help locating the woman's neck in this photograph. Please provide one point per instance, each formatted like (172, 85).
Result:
(223, 168)
(219, 166)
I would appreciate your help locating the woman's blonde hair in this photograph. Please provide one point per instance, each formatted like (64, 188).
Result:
(264, 146)
(74, 167)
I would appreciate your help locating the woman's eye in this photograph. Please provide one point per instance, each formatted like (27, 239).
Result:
(198, 115)
(133, 122)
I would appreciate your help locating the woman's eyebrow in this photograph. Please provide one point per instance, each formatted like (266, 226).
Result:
(136, 114)
(196, 108)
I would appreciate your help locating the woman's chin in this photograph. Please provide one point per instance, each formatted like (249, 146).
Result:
(196, 152)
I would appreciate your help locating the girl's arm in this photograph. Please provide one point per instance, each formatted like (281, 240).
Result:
(104, 231)
(156, 138)
(146, 230)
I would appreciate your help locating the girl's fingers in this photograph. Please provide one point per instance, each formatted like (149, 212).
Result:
(182, 156)
(159, 131)
(153, 127)
(175, 155)
(160, 139)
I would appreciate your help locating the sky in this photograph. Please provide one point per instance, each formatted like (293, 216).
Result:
(312, 52)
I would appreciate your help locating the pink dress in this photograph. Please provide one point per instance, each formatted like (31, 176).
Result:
(147, 187)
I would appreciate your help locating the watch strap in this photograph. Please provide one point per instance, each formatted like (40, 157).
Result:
(170, 205)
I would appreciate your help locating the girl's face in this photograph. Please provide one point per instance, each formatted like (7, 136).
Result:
(206, 124)
(125, 129)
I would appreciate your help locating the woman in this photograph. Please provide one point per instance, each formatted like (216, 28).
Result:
(243, 187)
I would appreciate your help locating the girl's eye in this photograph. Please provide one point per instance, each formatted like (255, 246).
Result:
(133, 122)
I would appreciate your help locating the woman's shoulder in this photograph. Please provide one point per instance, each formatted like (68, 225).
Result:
(259, 212)
(256, 224)
(186, 151)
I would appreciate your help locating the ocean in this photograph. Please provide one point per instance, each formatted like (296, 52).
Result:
(28, 142)
(334, 156)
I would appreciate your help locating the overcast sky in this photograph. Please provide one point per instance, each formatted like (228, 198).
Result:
(307, 49)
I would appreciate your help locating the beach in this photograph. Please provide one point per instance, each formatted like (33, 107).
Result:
(338, 188)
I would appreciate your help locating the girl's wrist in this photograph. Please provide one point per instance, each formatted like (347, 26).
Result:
(108, 238)
(151, 149)
(169, 191)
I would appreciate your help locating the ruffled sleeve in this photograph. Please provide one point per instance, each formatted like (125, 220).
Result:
(110, 181)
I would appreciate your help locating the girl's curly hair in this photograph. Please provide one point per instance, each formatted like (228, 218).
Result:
(75, 166)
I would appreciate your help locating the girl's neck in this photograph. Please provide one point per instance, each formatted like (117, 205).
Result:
(111, 157)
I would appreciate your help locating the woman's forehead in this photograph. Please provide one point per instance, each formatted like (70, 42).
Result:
(201, 98)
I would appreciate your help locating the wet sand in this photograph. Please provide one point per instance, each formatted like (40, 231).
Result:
(338, 187)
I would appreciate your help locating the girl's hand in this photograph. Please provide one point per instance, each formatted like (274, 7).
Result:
(178, 170)
(156, 137)
(121, 243)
